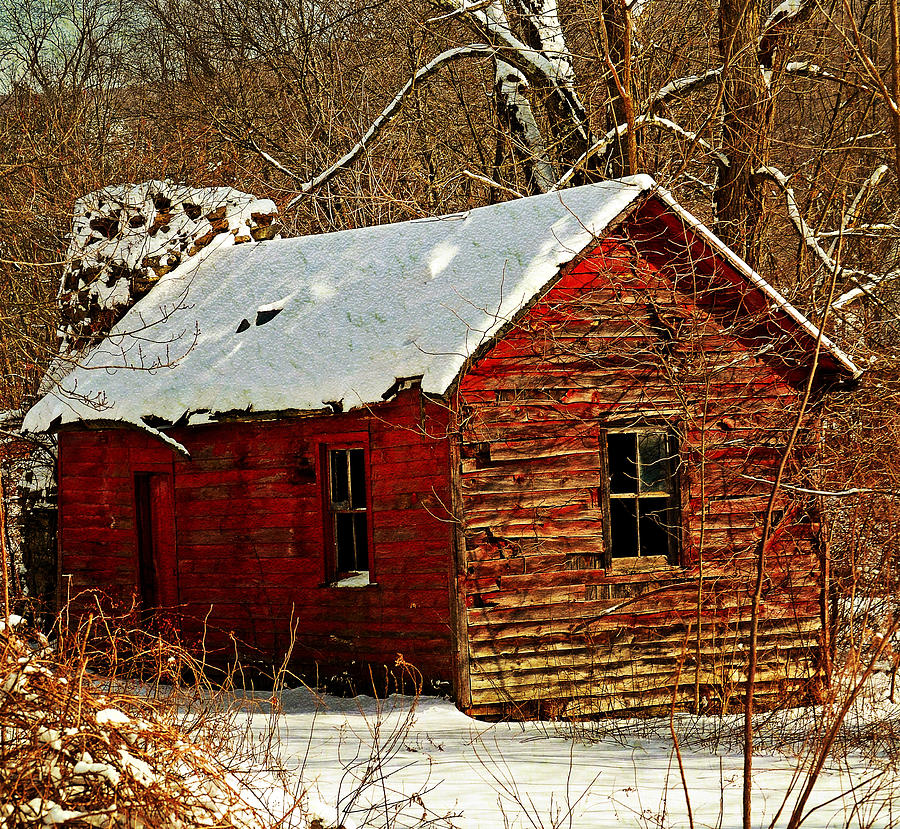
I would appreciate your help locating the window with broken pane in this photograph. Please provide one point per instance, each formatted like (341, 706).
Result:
(643, 494)
(349, 512)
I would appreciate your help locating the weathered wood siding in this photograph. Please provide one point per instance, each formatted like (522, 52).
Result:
(249, 532)
(643, 330)
(649, 328)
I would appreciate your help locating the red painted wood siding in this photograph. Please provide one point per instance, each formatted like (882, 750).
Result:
(633, 332)
(249, 532)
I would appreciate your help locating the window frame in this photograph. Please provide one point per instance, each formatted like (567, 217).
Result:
(675, 537)
(333, 576)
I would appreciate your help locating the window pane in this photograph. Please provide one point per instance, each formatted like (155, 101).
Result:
(621, 454)
(654, 462)
(362, 541)
(339, 492)
(656, 526)
(623, 527)
(344, 543)
(357, 479)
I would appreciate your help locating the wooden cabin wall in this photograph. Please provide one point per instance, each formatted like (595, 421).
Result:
(249, 533)
(551, 630)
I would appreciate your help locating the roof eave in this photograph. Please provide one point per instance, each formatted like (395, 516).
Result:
(842, 361)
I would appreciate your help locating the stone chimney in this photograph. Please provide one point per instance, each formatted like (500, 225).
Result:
(126, 237)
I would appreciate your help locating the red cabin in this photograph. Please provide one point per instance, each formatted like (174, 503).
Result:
(530, 448)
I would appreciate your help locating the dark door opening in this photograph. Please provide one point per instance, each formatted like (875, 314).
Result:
(155, 522)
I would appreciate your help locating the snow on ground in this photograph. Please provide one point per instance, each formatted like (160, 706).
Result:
(392, 762)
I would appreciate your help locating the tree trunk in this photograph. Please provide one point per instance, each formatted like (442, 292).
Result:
(517, 117)
(745, 132)
(614, 34)
(542, 31)
(895, 84)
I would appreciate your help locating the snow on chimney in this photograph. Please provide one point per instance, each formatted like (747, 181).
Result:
(126, 237)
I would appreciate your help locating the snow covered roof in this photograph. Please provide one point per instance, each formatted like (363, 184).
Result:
(294, 324)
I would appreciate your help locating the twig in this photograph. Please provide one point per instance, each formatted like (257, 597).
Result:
(756, 598)
(386, 114)
(491, 183)
(832, 493)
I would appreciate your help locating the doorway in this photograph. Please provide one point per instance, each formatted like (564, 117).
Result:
(157, 567)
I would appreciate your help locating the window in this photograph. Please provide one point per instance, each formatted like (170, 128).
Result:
(643, 494)
(348, 510)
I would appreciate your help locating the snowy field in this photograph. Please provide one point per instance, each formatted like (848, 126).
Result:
(398, 762)
(189, 757)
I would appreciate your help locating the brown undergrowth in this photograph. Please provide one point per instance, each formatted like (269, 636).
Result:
(113, 725)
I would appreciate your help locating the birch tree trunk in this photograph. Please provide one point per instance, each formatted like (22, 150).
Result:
(517, 118)
(543, 32)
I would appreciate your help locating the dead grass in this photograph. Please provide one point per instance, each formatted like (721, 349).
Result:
(115, 726)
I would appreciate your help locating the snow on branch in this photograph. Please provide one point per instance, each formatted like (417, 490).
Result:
(864, 287)
(804, 69)
(871, 281)
(458, 12)
(515, 109)
(852, 212)
(268, 157)
(785, 16)
(387, 113)
(829, 493)
(553, 66)
(639, 123)
(543, 16)
(491, 183)
(671, 126)
(806, 234)
(691, 83)
(869, 184)
(683, 86)
(491, 22)
(865, 282)
(784, 13)
(875, 229)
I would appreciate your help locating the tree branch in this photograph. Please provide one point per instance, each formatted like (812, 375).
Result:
(691, 83)
(871, 69)
(491, 24)
(809, 238)
(804, 69)
(828, 493)
(491, 183)
(379, 123)
(853, 211)
(865, 282)
(639, 123)
(864, 288)
(540, 19)
(683, 86)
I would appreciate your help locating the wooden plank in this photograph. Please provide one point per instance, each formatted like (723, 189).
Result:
(720, 640)
(582, 497)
